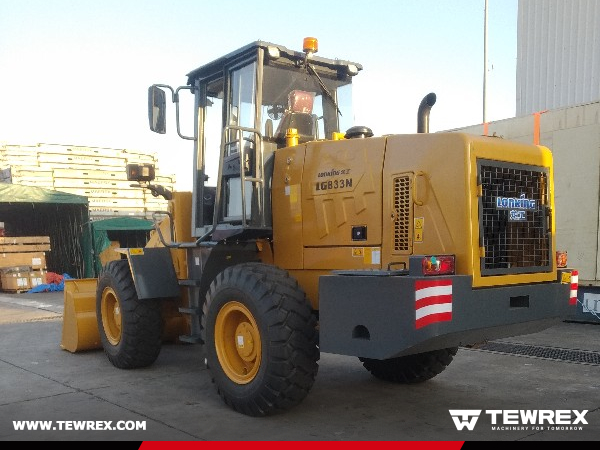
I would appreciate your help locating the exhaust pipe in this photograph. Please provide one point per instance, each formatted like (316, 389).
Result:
(423, 114)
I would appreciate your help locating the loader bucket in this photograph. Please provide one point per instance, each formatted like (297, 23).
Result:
(80, 327)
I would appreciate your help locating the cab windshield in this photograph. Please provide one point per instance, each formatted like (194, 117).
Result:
(316, 105)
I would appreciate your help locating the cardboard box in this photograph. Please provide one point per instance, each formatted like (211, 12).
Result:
(34, 260)
(15, 281)
(37, 277)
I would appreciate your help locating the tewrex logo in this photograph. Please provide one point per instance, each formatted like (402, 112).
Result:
(465, 418)
(519, 419)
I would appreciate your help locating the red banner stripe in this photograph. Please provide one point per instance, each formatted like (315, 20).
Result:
(433, 318)
(330, 445)
(435, 300)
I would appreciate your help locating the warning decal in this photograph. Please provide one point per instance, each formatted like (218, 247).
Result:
(433, 301)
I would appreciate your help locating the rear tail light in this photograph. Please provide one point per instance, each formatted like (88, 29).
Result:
(561, 259)
(574, 286)
(438, 265)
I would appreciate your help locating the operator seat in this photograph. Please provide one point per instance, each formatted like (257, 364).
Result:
(299, 116)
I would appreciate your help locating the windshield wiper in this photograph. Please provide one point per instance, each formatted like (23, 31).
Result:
(328, 94)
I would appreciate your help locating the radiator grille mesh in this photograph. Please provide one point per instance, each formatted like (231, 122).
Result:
(402, 214)
(521, 245)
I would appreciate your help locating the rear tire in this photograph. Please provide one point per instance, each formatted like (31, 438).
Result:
(130, 329)
(260, 339)
(412, 368)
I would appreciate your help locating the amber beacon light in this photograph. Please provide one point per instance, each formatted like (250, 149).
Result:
(310, 45)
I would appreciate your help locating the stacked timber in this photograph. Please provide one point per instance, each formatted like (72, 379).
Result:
(23, 262)
(96, 173)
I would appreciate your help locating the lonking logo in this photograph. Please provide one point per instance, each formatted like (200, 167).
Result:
(522, 420)
(517, 207)
(521, 203)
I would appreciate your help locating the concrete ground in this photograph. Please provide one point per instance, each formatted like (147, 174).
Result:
(177, 401)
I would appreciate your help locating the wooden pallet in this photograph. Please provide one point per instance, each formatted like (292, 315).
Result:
(81, 183)
(20, 170)
(32, 180)
(78, 160)
(14, 240)
(96, 173)
(20, 160)
(22, 248)
(36, 183)
(115, 194)
(20, 279)
(116, 202)
(106, 211)
(88, 173)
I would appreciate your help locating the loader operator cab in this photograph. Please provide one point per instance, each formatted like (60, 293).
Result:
(248, 104)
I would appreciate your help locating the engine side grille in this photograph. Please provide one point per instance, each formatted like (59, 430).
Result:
(402, 214)
(514, 218)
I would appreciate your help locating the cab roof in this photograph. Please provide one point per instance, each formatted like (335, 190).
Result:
(217, 66)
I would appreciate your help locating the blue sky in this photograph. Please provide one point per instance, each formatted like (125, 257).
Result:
(77, 71)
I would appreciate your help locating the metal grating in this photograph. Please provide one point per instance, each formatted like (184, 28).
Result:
(516, 238)
(535, 351)
(402, 213)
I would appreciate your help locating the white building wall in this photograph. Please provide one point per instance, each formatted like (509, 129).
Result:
(558, 54)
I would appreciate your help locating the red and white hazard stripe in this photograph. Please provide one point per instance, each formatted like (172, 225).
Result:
(433, 301)
(574, 287)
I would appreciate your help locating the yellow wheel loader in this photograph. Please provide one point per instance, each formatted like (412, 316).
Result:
(321, 237)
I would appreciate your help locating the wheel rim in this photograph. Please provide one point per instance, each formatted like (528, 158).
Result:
(237, 341)
(111, 316)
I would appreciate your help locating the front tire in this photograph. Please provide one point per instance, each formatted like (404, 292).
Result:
(412, 368)
(260, 339)
(130, 329)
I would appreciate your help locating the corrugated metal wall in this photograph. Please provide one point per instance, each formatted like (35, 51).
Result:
(558, 54)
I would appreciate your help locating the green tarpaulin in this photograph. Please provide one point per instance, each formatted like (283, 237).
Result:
(128, 231)
(15, 193)
(75, 242)
(34, 211)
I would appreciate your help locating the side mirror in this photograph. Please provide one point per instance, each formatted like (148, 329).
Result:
(156, 109)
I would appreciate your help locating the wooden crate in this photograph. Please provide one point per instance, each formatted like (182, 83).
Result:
(24, 251)
(15, 279)
(35, 260)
